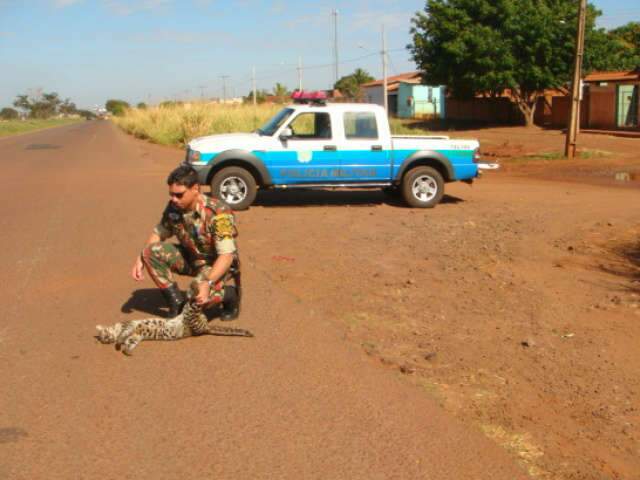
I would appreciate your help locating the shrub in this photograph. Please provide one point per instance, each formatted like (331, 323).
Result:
(8, 113)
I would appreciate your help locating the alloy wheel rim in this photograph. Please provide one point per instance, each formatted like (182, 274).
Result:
(424, 188)
(233, 190)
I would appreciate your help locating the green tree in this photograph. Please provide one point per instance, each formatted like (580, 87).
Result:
(8, 113)
(627, 40)
(42, 106)
(350, 85)
(487, 47)
(261, 96)
(68, 107)
(116, 107)
(22, 102)
(281, 92)
(141, 106)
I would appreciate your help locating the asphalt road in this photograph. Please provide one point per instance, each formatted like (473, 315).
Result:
(297, 401)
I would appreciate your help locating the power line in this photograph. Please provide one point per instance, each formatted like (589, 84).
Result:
(293, 69)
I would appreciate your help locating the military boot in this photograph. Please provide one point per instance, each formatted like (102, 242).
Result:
(175, 299)
(230, 304)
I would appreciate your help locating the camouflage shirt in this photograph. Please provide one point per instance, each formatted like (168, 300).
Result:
(206, 232)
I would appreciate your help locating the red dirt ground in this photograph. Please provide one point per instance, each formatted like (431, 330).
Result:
(515, 305)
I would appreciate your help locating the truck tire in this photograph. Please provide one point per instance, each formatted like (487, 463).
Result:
(422, 187)
(235, 186)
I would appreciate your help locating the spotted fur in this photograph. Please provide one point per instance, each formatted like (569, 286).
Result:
(191, 322)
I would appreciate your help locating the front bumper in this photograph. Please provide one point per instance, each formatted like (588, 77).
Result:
(201, 170)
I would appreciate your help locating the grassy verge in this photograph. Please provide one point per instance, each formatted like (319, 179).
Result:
(13, 127)
(582, 154)
(178, 124)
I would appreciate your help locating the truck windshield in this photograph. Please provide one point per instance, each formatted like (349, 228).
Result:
(272, 125)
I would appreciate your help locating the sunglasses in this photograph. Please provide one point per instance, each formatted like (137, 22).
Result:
(178, 195)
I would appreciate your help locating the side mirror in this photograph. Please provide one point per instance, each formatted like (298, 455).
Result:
(286, 134)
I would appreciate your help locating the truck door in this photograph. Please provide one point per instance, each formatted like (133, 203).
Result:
(365, 152)
(310, 155)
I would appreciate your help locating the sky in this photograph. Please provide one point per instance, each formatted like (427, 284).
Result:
(154, 50)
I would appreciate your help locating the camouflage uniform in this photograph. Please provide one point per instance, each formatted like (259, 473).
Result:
(204, 233)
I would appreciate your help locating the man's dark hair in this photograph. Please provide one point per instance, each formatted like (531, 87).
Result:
(183, 175)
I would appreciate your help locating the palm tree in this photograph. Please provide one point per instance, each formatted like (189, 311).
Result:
(281, 92)
(349, 85)
(361, 76)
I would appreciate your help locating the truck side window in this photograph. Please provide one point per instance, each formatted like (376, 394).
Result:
(360, 125)
(311, 126)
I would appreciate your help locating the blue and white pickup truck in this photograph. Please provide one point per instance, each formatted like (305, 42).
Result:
(332, 145)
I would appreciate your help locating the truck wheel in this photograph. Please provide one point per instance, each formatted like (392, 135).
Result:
(422, 187)
(235, 186)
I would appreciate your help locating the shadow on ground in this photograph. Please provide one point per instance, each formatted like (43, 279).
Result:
(151, 302)
(147, 300)
(339, 198)
(629, 266)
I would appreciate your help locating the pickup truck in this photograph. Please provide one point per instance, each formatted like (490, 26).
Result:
(332, 145)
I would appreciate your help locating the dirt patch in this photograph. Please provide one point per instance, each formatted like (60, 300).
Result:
(535, 152)
(514, 304)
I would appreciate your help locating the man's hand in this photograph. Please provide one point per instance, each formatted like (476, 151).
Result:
(136, 271)
(203, 293)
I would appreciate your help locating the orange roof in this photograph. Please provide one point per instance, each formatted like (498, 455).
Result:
(613, 76)
(410, 77)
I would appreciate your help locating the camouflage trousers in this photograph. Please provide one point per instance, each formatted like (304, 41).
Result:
(163, 259)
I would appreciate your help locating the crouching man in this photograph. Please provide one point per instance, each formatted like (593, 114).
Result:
(205, 229)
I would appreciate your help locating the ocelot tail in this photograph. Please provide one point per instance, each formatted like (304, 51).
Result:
(191, 322)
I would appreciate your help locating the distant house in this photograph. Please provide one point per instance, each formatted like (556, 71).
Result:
(406, 95)
(612, 100)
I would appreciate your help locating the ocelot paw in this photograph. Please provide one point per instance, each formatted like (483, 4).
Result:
(130, 343)
(107, 334)
(126, 330)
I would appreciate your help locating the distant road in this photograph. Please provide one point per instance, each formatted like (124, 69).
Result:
(296, 402)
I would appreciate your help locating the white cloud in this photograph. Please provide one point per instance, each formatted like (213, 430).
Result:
(64, 3)
(175, 36)
(375, 20)
(124, 8)
(203, 3)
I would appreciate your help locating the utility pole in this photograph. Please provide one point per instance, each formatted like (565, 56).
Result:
(299, 73)
(334, 13)
(201, 87)
(384, 72)
(255, 97)
(576, 94)
(224, 87)
(253, 86)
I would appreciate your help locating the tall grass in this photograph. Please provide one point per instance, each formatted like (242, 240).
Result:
(178, 124)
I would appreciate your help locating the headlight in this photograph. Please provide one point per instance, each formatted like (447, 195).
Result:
(193, 156)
